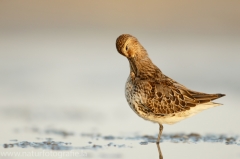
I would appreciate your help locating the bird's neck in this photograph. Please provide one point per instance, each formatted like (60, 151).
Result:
(142, 66)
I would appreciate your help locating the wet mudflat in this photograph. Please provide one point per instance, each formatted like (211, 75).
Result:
(49, 143)
(64, 143)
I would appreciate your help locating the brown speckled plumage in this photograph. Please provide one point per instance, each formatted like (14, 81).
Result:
(153, 95)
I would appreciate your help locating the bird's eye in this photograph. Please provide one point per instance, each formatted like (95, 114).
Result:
(126, 48)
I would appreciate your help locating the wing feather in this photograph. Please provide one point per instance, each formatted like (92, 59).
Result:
(167, 96)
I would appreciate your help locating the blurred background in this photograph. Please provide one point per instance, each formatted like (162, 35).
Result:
(58, 61)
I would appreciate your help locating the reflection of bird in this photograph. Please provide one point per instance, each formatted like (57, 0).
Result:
(154, 96)
(159, 152)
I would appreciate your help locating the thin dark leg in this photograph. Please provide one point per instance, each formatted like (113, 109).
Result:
(160, 133)
(159, 152)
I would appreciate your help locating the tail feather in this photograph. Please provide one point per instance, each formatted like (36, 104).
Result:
(204, 98)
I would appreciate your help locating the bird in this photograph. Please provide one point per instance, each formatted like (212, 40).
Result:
(154, 96)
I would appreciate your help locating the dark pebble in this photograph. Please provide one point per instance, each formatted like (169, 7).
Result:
(109, 137)
(5, 145)
(143, 143)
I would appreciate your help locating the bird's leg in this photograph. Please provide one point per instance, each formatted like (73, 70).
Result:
(160, 133)
(159, 152)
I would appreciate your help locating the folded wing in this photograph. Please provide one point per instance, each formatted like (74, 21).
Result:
(167, 97)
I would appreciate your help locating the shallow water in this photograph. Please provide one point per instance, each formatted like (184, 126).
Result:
(87, 141)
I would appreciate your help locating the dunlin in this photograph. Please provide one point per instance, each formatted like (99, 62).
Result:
(153, 95)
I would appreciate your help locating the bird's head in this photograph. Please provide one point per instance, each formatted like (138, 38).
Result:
(128, 46)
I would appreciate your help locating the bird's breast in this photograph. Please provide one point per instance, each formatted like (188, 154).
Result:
(135, 98)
